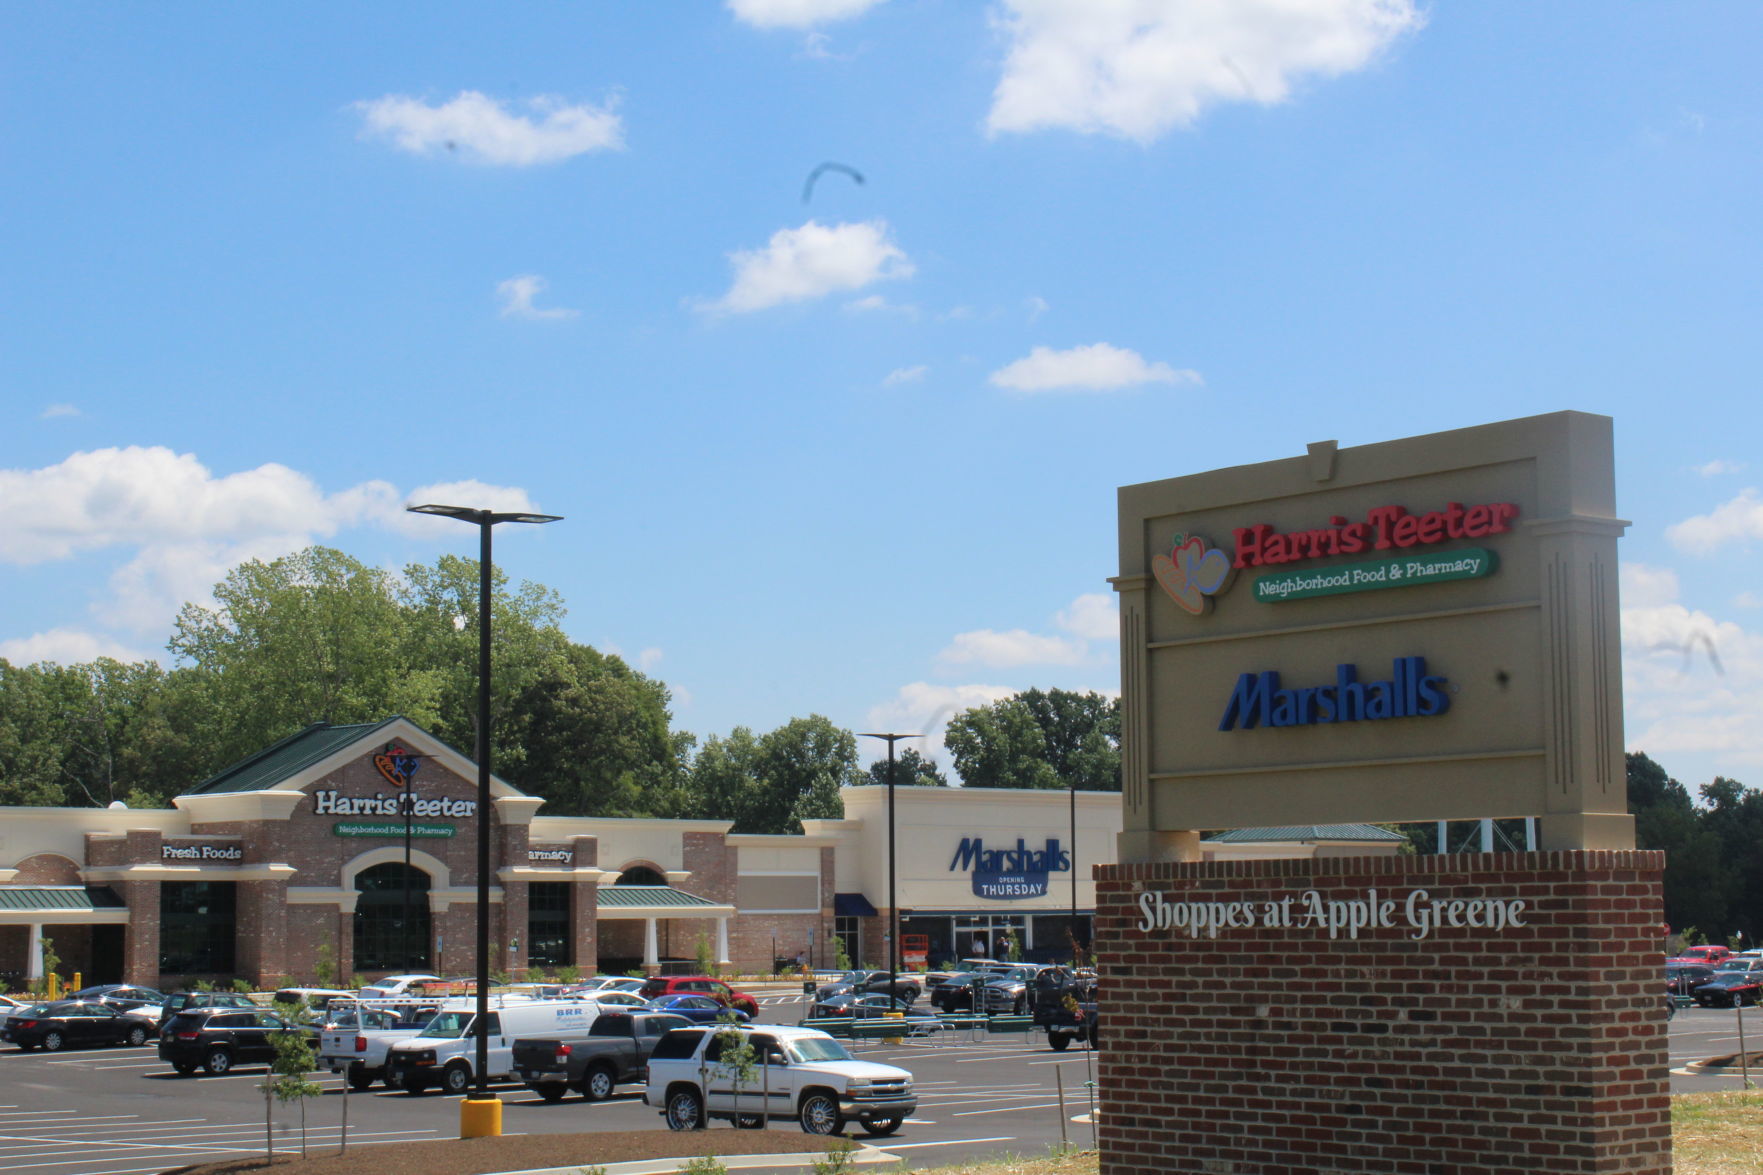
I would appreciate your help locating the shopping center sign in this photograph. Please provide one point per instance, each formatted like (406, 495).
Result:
(1319, 692)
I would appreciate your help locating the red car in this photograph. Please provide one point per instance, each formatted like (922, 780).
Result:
(1707, 956)
(716, 989)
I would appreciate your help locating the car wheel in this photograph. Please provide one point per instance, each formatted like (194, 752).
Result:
(684, 1110)
(820, 1114)
(183, 1068)
(1058, 1041)
(26, 1048)
(218, 1062)
(137, 1036)
(881, 1126)
(551, 1091)
(1019, 1007)
(599, 1083)
(749, 1121)
(360, 1078)
(53, 1042)
(415, 1088)
(456, 1079)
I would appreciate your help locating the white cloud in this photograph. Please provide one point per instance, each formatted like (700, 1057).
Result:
(66, 646)
(1037, 306)
(1095, 368)
(809, 262)
(55, 411)
(484, 130)
(1692, 684)
(1137, 68)
(1730, 522)
(186, 527)
(1719, 466)
(517, 294)
(797, 14)
(1645, 586)
(876, 304)
(1748, 599)
(649, 659)
(1002, 650)
(905, 375)
(1094, 616)
(923, 708)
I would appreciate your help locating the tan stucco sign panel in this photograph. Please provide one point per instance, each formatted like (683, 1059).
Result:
(1416, 630)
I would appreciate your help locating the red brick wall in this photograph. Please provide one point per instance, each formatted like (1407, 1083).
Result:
(1280, 1050)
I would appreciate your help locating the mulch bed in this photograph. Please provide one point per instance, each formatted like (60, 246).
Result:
(523, 1152)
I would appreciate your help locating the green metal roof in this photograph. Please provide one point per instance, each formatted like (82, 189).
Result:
(631, 897)
(288, 758)
(1306, 833)
(59, 897)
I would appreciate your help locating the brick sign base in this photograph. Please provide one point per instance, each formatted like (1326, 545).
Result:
(1266, 1046)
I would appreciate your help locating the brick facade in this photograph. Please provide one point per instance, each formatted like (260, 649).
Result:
(1280, 1050)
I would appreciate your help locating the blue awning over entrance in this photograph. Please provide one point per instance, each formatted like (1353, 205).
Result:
(852, 905)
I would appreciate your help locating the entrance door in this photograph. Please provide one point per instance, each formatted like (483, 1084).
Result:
(107, 956)
(392, 919)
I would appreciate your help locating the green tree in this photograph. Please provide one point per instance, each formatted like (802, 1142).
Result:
(910, 769)
(290, 1079)
(1700, 880)
(772, 783)
(1039, 739)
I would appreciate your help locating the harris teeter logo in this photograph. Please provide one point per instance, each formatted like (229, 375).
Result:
(1192, 573)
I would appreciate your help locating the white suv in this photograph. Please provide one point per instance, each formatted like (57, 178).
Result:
(801, 1073)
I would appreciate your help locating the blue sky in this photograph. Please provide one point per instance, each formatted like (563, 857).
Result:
(271, 273)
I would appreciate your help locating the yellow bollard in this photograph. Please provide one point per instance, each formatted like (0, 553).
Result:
(76, 984)
(480, 1117)
(893, 1016)
(53, 989)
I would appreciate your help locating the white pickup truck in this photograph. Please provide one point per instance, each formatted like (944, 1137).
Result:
(801, 1073)
(361, 1036)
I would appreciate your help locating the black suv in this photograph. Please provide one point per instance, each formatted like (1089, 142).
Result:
(220, 1038)
(189, 1001)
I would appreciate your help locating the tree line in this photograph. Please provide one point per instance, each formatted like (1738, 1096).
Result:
(318, 636)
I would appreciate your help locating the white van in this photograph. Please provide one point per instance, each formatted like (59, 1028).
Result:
(444, 1053)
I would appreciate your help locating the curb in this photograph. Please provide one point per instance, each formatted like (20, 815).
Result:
(862, 1156)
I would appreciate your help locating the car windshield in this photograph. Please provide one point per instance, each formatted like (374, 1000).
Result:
(817, 1048)
(1735, 965)
(449, 1024)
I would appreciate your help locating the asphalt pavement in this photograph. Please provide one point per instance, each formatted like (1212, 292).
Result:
(120, 1111)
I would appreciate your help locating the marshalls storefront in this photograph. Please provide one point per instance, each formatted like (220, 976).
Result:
(356, 846)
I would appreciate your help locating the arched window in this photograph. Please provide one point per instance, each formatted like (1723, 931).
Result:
(392, 918)
(640, 875)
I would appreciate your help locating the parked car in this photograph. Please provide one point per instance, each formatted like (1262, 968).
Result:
(608, 998)
(118, 991)
(1066, 1007)
(716, 989)
(444, 1052)
(179, 1001)
(316, 998)
(613, 1051)
(906, 987)
(1735, 983)
(219, 1039)
(852, 1006)
(395, 985)
(699, 1009)
(955, 994)
(1012, 989)
(1681, 979)
(1706, 955)
(359, 1040)
(63, 1023)
(804, 1074)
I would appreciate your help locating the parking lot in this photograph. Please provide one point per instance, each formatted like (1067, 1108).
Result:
(120, 1111)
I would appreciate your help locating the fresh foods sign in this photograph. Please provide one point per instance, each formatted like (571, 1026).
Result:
(1416, 913)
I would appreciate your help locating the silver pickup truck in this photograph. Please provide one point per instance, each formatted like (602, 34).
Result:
(361, 1035)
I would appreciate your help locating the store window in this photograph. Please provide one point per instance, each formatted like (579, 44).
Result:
(392, 918)
(547, 924)
(850, 932)
(196, 920)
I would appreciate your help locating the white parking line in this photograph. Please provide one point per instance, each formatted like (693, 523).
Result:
(913, 1146)
(1007, 1110)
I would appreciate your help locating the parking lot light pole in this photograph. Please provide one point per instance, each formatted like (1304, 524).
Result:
(893, 903)
(473, 1121)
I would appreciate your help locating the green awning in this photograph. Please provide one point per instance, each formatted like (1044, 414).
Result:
(60, 897)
